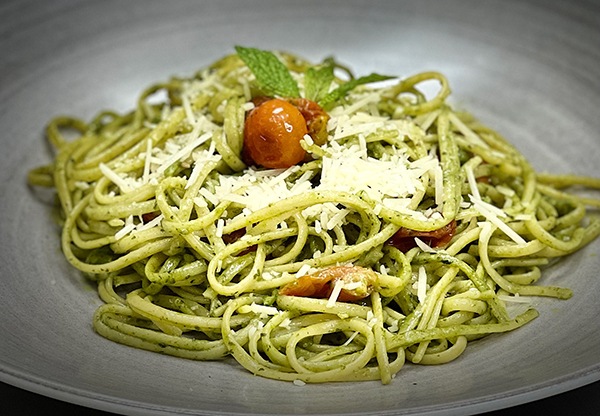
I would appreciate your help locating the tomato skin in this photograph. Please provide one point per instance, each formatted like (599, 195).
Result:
(272, 135)
(316, 119)
(321, 283)
(404, 239)
(235, 236)
(149, 216)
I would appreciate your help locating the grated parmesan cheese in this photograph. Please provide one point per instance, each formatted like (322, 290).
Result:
(489, 211)
(467, 132)
(352, 285)
(492, 217)
(187, 108)
(285, 323)
(373, 97)
(523, 217)
(183, 152)
(318, 228)
(124, 231)
(147, 161)
(114, 178)
(208, 195)
(303, 270)
(472, 182)
(258, 309)
(350, 339)
(421, 244)
(220, 225)
(422, 284)
(82, 185)
(154, 223)
(506, 191)
(335, 293)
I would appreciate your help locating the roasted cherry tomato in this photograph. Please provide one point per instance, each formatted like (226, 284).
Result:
(149, 216)
(358, 283)
(235, 236)
(404, 239)
(316, 119)
(272, 135)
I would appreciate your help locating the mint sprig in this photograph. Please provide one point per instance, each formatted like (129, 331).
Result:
(271, 74)
(343, 89)
(273, 77)
(318, 81)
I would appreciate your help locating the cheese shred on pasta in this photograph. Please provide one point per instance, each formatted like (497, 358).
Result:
(190, 247)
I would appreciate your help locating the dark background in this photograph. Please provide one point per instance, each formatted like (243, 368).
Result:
(582, 401)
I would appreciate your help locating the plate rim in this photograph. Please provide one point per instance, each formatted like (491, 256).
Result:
(71, 394)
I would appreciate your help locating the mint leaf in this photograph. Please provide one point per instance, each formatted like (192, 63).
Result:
(350, 85)
(271, 74)
(317, 81)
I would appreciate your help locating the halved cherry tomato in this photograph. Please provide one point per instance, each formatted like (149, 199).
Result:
(404, 239)
(359, 281)
(272, 135)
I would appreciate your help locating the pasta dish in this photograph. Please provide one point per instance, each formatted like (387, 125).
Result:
(313, 225)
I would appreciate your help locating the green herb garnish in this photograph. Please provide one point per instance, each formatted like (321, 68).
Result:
(318, 81)
(343, 89)
(271, 74)
(273, 77)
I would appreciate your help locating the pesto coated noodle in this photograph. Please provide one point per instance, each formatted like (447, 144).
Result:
(403, 233)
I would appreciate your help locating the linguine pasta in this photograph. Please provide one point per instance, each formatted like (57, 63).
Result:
(403, 234)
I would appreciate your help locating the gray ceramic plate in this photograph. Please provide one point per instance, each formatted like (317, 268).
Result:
(530, 69)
